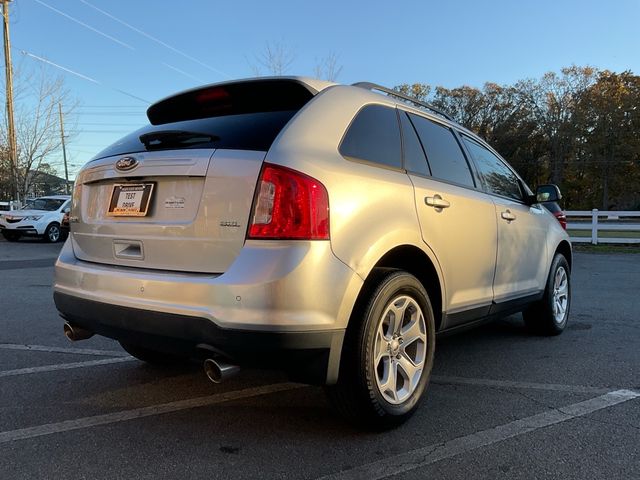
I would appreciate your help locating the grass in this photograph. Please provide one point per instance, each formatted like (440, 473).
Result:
(604, 234)
(588, 248)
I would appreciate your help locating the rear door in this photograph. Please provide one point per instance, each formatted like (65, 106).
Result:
(522, 229)
(457, 220)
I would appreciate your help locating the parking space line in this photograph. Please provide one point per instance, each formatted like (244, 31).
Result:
(425, 456)
(80, 423)
(63, 366)
(486, 382)
(78, 351)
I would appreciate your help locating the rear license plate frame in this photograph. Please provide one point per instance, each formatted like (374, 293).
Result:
(118, 204)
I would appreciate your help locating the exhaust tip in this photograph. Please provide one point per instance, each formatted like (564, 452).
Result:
(76, 333)
(218, 371)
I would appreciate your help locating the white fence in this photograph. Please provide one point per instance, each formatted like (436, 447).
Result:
(611, 221)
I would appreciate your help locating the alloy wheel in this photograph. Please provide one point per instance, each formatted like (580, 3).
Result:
(400, 349)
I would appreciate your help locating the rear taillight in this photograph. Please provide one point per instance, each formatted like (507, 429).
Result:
(562, 218)
(289, 205)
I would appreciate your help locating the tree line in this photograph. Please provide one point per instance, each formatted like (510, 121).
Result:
(579, 129)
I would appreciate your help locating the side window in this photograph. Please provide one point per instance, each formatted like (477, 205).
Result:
(498, 178)
(374, 136)
(414, 159)
(444, 154)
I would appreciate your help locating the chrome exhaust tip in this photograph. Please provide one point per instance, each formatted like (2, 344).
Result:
(218, 371)
(74, 333)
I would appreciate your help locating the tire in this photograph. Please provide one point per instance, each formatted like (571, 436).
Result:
(152, 357)
(368, 393)
(52, 234)
(11, 236)
(549, 316)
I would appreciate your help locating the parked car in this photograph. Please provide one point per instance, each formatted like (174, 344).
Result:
(326, 230)
(64, 227)
(41, 219)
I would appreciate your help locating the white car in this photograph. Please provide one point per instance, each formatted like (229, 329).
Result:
(42, 219)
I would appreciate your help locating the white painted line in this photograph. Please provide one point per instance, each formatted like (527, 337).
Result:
(123, 416)
(486, 382)
(79, 351)
(422, 457)
(63, 366)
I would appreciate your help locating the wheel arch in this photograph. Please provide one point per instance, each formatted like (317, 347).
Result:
(564, 248)
(415, 261)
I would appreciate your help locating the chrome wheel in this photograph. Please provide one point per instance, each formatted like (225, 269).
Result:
(560, 298)
(400, 349)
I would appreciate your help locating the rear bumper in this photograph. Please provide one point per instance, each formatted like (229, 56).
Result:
(306, 356)
(278, 305)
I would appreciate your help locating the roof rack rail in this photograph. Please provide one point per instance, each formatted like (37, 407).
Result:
(393, 93)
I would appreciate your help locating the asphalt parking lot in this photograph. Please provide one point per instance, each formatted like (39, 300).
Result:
(502, 403)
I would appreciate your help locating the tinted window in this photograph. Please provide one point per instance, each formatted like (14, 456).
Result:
(444, 154)
(49, 204)
(374, 136)
(497, 177)
(249, 131)
(414, 159)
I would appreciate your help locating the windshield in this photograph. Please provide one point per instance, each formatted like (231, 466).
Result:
(48, 204)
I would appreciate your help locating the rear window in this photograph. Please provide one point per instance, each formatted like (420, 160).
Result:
(249, 131)
(246, 115)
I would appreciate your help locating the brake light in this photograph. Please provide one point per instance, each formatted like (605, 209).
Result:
(562, 218)
(289, 205)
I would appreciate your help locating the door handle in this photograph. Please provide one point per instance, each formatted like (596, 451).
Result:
(508, 216)
(437, 202)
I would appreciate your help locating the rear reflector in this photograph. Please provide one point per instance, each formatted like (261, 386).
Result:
(289, 205)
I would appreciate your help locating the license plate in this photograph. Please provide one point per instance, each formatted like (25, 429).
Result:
(130, 200)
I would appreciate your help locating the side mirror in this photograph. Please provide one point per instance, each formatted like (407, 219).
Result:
(67, 210)
(548, 193)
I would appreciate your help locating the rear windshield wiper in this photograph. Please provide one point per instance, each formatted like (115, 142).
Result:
(175, 138)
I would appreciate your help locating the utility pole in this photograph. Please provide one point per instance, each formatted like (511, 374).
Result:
(64, 151)
(11, 130)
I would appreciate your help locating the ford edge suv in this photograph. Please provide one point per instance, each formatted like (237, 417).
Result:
(329, 231)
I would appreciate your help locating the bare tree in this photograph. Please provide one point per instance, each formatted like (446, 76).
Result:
(276, 58)
(328, 68)
(37, 121)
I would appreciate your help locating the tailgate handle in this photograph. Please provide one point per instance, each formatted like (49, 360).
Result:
(128, 249)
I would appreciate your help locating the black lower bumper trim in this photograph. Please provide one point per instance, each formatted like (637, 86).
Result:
(303, 355)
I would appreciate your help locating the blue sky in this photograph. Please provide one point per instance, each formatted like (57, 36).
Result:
(441, 43)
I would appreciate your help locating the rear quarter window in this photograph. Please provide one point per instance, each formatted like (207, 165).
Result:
(374, 136)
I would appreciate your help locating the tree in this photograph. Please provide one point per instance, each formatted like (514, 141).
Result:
(276, 58)
(327, 68)
(37, 96)
(419, 91)
(608, 115)
(553, 100)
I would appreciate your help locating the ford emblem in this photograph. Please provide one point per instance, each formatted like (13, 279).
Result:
(126, 163)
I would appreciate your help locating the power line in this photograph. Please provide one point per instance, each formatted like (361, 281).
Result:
(183, 72)
(80, 75)
(68, 70)
(73, 19)
(112, 124)
(100, 32)
(151, 37)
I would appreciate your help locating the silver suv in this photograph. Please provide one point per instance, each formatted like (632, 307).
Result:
(329, 231)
